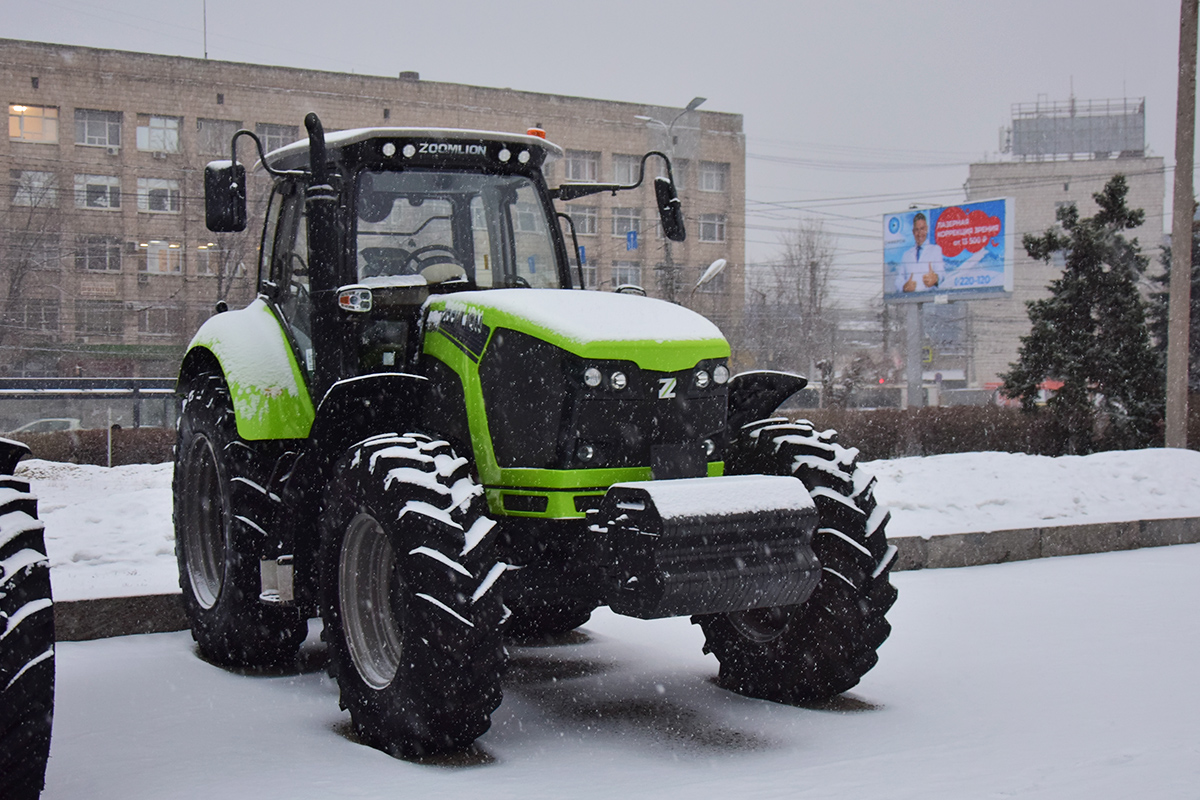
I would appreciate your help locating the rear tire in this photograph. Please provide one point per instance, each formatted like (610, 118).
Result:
(26, 641)
(411, 613)
(223, 512)
(822, 648)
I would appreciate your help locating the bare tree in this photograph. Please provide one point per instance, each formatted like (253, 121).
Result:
(30, 242)
(789, 316)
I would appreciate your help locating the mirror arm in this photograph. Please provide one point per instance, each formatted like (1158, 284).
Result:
(575, 242)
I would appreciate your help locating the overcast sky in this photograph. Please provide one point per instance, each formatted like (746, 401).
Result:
(851, 108)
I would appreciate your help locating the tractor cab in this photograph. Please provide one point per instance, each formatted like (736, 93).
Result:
(364, 225)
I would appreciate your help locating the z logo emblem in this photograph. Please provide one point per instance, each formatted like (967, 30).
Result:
(666, 388)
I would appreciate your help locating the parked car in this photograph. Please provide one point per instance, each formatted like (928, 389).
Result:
(49, 425)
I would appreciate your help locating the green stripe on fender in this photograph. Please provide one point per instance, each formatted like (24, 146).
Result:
(270, 399)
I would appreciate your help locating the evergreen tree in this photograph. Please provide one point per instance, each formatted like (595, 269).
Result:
(1159, 306)
(1091, 332)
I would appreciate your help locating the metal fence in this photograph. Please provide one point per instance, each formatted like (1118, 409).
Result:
(88, 402)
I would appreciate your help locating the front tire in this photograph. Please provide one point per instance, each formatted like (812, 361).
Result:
(26, 638)
(822, 648)
(411, 613)
(223, 512)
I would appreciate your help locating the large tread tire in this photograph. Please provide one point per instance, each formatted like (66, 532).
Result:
(822, 648)
(408, 597)
(26, 643)
(224, 511)
(539, 620)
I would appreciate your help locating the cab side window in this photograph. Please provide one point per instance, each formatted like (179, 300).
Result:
(290, 275)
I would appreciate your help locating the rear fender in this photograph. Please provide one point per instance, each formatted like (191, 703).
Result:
(270, 398)
(754, 395)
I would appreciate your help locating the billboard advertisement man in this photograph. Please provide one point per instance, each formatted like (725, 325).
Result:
(922, 259)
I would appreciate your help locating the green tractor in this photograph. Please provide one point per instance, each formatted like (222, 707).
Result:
(424, 432)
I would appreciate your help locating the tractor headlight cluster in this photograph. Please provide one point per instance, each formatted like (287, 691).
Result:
(617, 380)
(592, 377)
(720, 374)
(701, 379)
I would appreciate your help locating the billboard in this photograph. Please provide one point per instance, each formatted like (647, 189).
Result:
(958, 251)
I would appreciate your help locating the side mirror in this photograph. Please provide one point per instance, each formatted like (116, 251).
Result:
(670, 210)
(225, 196)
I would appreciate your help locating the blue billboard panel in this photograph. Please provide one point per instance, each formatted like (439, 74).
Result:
(957, 251)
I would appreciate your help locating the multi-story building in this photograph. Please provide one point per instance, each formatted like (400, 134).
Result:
(1062, 153)
(107, 267)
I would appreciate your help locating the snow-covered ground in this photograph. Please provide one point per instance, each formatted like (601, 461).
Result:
(1058, 678)
(109, 531)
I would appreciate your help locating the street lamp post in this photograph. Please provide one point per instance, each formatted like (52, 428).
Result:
(669, 129)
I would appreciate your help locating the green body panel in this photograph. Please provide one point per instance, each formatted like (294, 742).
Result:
(560, 487)
(270, 399)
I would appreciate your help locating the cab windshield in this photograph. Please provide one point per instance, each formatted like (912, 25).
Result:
(491, 230)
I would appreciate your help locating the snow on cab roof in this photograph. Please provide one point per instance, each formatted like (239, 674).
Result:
(354, 135)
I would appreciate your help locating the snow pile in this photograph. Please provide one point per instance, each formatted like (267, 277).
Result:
(109, 531)
(967, 492)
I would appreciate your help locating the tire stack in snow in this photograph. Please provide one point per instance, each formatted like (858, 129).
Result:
(26, 636)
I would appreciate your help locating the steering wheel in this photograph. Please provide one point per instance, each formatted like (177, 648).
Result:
(429, 255)
(437, 262)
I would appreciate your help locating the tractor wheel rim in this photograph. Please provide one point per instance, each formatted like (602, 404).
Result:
(760, 625)
(204, 544)
(366, 598)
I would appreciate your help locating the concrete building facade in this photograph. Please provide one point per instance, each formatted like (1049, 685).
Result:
(107, 268)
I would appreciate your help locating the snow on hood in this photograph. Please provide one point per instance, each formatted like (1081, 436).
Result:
(590, 317)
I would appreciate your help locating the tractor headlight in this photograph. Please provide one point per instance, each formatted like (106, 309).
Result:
(721, 374)
(617, 380)
(701, 379)
(592, 377)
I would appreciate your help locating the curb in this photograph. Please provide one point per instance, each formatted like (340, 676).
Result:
(84, 620)
(999, 547)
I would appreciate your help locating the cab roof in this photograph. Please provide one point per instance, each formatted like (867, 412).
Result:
(295, 155)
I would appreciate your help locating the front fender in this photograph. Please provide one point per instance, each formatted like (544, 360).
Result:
(270, 398)
(754, 395)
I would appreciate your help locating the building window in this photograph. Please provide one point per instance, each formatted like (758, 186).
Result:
(39, 314)
(212, 260)
(97, 191)
(157, 134)
(98, 253)
(33, 123)
(582, 165)
(33, 189)
(214, 135)
(586, 219)
(714, 176)
(158, 195)
(626, 168)
(35, 249)
(589, 276)
(276, 136)
(624, 272)
(94, 128)
(680, 167)
(99, 317)
(527, 218)
(160, 257)
(712, 227)
(160, 321)
(625, 220)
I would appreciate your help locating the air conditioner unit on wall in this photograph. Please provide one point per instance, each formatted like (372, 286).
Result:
(159, 154)
(112, 151)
